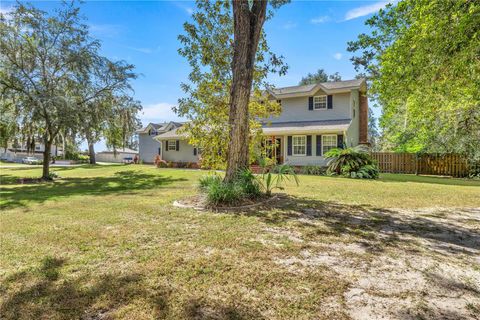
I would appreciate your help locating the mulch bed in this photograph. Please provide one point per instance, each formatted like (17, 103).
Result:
(198, 202)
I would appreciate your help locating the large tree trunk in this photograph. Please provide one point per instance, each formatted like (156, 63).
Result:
(63, 146)
(46, 159)
(91, 152)
(248, 25)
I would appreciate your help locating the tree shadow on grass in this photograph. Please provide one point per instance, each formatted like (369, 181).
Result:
(123, 182)
(46, 292)
(376, 228)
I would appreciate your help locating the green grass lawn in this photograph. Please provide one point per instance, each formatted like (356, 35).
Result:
(11, 164)
(105, 242)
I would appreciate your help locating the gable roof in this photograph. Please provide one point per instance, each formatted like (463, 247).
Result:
(327, 87)
(172, 134)
(163, 126)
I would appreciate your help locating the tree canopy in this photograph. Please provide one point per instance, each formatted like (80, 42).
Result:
(422, 57)
(208, 45)
(53, 76)
(319, 76)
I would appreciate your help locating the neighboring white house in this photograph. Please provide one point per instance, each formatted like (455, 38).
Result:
(314, 119)
(119, 156)
(17, 153)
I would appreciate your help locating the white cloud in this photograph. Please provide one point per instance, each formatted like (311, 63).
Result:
(5, 11)
(142, 50)
(159, 112)
(321, 19)
(289, 25)
(365, 10)
(187, 9)
(106, 30)
(338, 56)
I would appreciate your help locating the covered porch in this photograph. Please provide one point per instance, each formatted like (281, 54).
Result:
(305, 143)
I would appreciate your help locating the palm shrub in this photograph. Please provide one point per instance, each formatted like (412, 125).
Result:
(277, 180)
(352, 162)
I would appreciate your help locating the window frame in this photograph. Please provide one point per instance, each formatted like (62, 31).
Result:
(174, 145)
(320, 96)
(299, 145)
(324, 145)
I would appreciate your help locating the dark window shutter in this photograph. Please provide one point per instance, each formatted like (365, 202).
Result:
(319, 145)
(178, 145)
(289, 145)
(309, 145)
(159, 150)
(310, 103)
(330, 102)
(194, 151)
(340, 141)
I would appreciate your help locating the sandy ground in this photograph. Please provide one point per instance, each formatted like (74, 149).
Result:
(404, 264)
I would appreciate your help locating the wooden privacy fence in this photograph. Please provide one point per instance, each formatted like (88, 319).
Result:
(432, 163)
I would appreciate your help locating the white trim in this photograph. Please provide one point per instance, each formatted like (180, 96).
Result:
(293, 146)
(326, 102)
(360, 87)
(329, 135)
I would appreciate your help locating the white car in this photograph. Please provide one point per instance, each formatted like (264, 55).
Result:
(31, 160)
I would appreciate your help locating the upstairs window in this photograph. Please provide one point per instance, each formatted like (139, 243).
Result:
(319, 102)
(329, 141)
(152, 132)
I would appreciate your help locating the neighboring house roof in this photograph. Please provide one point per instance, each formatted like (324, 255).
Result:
(305, 126)
(125, 150)
(327, 87)
(172, 134)
(159, 126)
(152, 125)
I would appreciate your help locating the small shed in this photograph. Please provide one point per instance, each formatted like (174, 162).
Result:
(119, 156)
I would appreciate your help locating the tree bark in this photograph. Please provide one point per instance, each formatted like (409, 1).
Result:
(91, 152)
(248, 25)
(46, 159)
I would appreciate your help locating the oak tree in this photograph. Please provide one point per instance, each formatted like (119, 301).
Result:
(229, 56)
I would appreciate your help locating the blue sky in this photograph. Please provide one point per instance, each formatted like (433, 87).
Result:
(309, 34)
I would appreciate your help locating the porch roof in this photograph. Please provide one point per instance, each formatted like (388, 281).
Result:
(305, 126)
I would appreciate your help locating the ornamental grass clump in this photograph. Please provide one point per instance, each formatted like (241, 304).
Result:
(352, 162)
(218, 192)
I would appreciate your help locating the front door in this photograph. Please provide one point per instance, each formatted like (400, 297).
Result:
(274, 150)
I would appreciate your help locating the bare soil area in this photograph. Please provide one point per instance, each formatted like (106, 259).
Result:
(399, 264)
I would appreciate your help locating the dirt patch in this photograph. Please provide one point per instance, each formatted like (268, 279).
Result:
(32, 180)
(199, 202)
(408, 264)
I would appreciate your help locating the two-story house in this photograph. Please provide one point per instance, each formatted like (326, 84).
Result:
(148, 147)
(314, 119)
